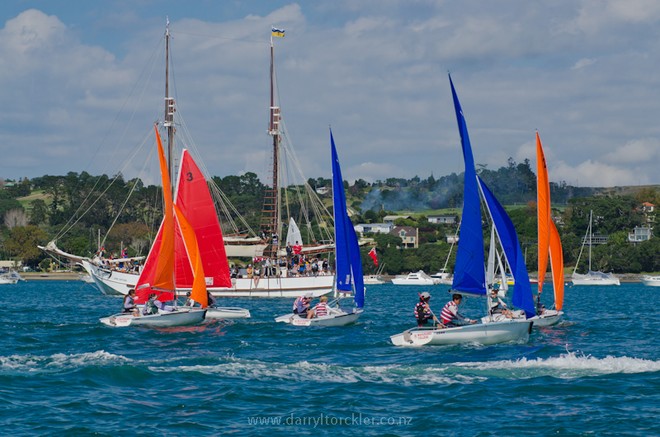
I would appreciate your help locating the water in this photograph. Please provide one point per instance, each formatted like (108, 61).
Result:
(63, 373)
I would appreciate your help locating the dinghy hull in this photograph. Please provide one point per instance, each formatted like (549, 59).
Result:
(484, 333)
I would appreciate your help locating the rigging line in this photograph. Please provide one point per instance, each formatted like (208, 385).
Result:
(71, 224)
(222, 38)
(135, 184)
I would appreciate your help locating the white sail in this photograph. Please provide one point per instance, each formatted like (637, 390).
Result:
(293, 235)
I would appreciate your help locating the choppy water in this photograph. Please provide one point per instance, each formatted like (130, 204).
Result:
(63, 373)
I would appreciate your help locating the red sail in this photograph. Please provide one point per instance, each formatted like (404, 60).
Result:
(194, 199)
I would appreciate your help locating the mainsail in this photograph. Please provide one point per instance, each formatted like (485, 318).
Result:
(548, 237)
(347, 251)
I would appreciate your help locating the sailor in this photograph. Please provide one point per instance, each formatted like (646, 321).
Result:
(321, 308)
(450, 315)
(129, 302)
(301, 305)
(497, 305)
(423, 311)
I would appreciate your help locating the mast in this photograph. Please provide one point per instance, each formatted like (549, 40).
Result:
(169, 105)
(590, 219)
(270, 220)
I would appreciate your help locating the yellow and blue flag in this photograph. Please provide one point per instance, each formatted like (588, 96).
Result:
(277, 32)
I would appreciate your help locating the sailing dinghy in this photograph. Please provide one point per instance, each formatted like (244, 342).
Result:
(348, 261)
(549, 245)
(470, 272)
(158, 275)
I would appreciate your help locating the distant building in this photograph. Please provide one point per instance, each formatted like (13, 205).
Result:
(322, 190)
(640, 233)
(373, 228)
(648, 209)
(409, 236)
(442, 219)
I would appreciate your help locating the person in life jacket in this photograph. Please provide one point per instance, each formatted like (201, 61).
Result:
(321, 309)
(129, 302)
(301, 305)
(423, 311)
(497, 305)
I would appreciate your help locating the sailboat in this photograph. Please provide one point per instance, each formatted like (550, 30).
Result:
(469, 272)
(347, 257)
(185, 254)
(591, 277)
(158, 276)
(549, 244)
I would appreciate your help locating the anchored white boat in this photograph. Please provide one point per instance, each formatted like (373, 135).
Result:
(470, 272)
(415, 278)
(591, 277)
(651, 281)
(348, 262)
(442, 277)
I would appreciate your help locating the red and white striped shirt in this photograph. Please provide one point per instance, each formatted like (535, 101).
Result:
(321, 309)
(449, 312)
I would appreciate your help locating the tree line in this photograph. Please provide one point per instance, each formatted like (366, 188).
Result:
(86, 206)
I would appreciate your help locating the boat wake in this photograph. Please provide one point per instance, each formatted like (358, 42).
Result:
(566, 366)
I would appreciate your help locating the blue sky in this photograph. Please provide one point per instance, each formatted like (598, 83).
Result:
(83, 84)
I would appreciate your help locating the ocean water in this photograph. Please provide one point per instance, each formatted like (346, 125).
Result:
(64, 373)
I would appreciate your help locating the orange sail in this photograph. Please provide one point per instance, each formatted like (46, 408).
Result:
(549, 241)
(557, 265)
(543, 211)
(158, 274)
(198, 292)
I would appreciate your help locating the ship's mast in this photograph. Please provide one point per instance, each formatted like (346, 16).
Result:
(169, 105)
(270, 221)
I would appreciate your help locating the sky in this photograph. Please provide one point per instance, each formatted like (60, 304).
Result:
(83, 83)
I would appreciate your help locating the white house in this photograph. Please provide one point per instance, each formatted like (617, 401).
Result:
(640, 233)
(373, 228)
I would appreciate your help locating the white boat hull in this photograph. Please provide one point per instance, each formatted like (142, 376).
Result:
(4, 281)
(329, 320)
(373, 280)
(595, 279)
(118, 283)
(548, 318)
(651, 281)
(227, 313)
(415, 278)
(512, 330)
(181, 317)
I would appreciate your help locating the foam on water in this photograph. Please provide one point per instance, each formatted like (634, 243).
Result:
(37, 363)
(320, 372)
(569, 365)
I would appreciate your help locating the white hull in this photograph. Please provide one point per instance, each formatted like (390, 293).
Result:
(513, 330)
(651, 281)
(329, 320)
(373, 280)
(4, 280)
(415, 278)
(548, 318)
(118, 283)
(595, 278)
(227, 313)
(181, 317)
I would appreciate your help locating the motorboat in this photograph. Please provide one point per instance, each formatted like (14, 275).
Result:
(415, 278)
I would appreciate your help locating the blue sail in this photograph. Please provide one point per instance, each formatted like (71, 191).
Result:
(469, 272)
(522, 291)
(347, 250)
